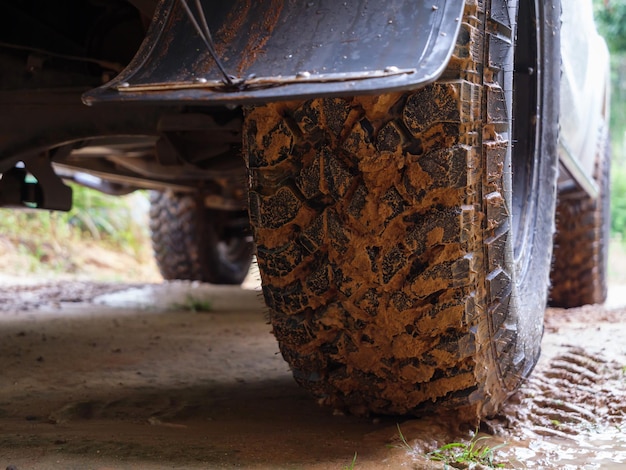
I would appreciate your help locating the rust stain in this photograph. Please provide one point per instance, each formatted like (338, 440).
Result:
(260, 35)
(233, 24)
(239, 22)
(240, 39)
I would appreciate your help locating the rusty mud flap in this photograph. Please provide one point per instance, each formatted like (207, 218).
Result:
(239, 52)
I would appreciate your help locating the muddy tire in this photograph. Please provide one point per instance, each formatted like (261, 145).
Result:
(405, 268)
(194, 243)
(579, 271)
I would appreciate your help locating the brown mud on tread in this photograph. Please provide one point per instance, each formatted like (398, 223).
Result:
(348, 255)
(382, 232)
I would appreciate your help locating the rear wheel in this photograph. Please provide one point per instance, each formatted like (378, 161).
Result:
(582, 240)
(404, 245)
(194, 243)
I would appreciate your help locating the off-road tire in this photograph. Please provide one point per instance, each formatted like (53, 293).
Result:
(397, 276)
(579, 271)
(193, 243)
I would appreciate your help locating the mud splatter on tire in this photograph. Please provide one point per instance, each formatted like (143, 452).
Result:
(385, 239)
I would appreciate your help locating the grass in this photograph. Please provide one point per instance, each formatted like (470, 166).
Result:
(462, 454)
(403, 440)
(194, 304)
(351, 465)
(94, 215)
(48, 239)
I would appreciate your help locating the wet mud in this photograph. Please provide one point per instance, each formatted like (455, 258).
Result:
(125, 376)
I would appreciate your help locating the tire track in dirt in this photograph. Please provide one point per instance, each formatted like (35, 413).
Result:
(572, 409)
(575, 391)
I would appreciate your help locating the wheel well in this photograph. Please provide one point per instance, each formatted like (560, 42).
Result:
(69, 43)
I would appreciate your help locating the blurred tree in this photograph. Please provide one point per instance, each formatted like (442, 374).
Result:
(618, 202)
(611, 19)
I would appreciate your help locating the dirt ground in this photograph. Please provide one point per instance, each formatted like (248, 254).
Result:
(123, 374)
(113, 376)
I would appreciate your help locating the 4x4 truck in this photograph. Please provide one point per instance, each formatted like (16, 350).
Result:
(399, 168)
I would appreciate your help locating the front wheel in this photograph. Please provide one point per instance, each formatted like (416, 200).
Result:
(404, 244)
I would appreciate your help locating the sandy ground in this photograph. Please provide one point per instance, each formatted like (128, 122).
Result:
(107, 376)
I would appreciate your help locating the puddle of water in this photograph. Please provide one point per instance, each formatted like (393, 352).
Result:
(169, 294)
(177, 294)
(605, 449)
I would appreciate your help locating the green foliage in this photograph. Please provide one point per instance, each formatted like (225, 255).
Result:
(610, 17)
(405, 443)
(618, 201)
(464, 454)
(351, 465)
(460, 454)
(104, 217)
(194, 304)
(53, 241)
(618, 107)
(94, 216)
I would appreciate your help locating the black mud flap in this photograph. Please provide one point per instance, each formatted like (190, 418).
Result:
(239, 52)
